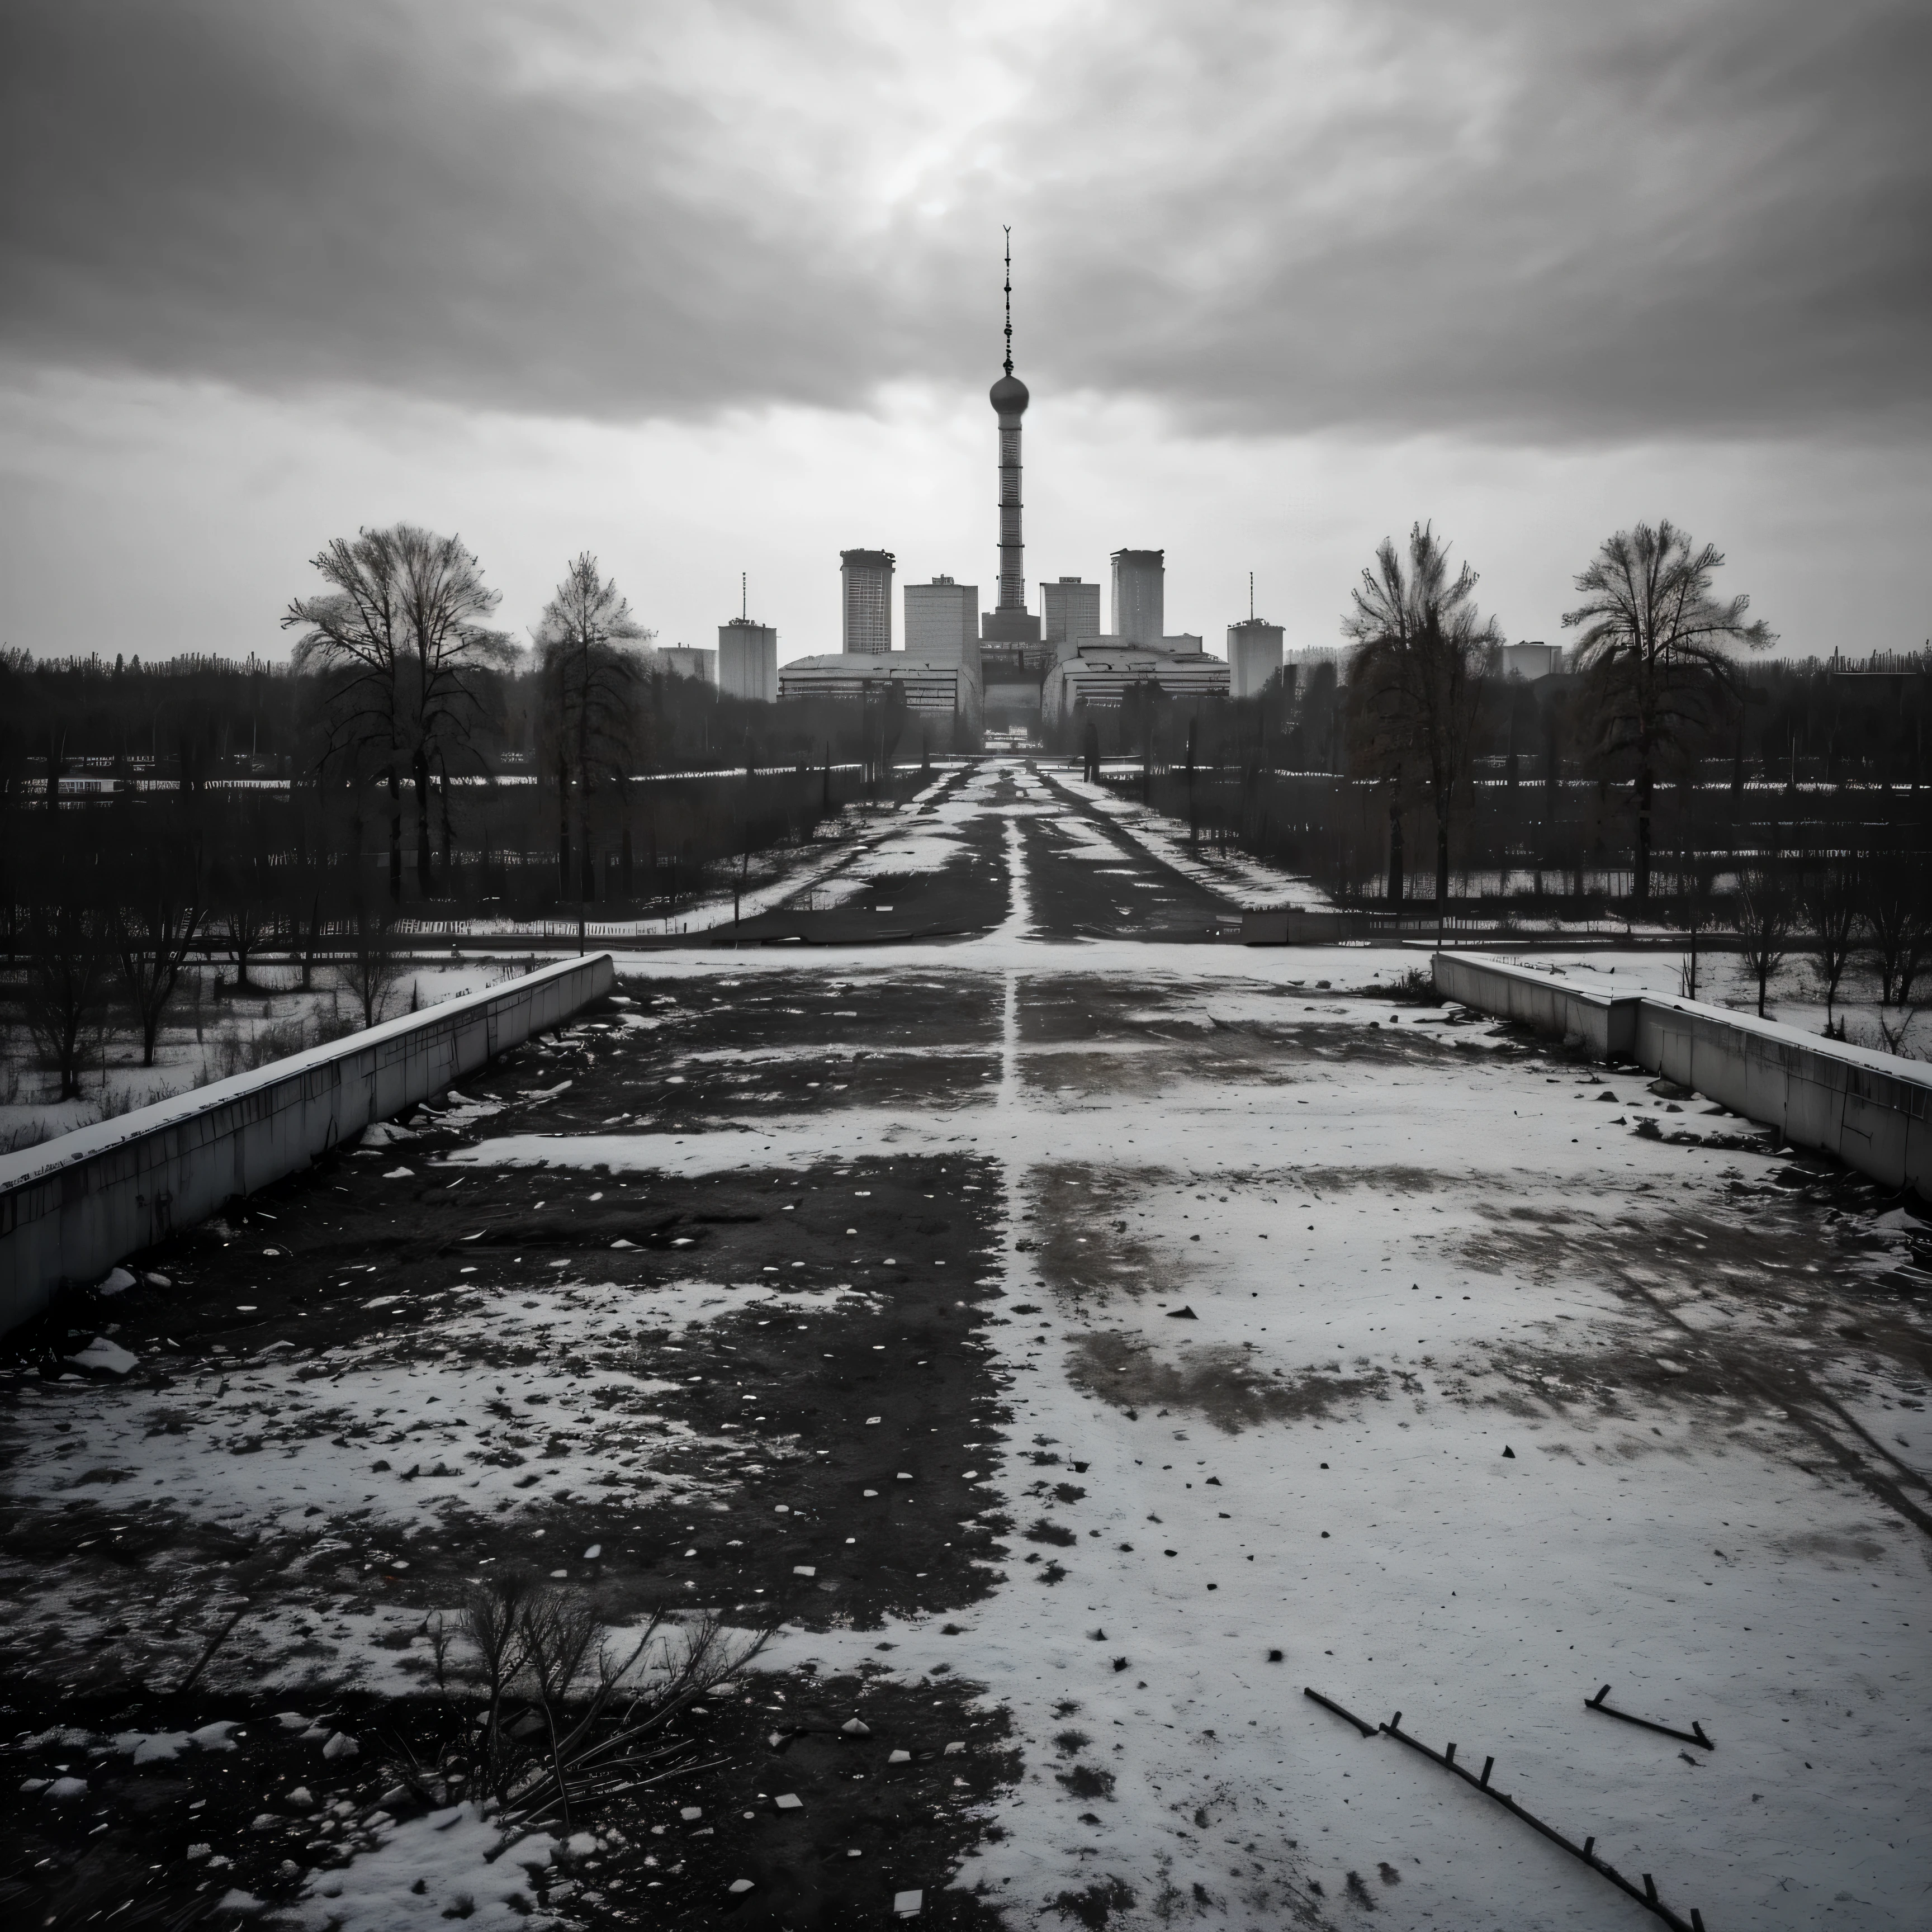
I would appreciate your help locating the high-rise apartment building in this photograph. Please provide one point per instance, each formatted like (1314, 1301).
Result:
(1140, 596)
(867, 581)
(1254, 655)
(942, 620)
(748, 660)
(1069, 611)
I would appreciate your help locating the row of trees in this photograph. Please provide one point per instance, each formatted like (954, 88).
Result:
(1638, 774)
(1842, 910)
(1655, 644)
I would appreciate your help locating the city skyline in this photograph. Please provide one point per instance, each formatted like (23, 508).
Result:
(1671, 260)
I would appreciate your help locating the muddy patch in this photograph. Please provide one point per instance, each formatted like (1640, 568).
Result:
(1084, 1230)
(1225, 1384)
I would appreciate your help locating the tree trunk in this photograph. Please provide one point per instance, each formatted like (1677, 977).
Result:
(563, 831)
(1395, 878)
(425, 871)
(1645, 782)
(1441, 859)
(395, 835)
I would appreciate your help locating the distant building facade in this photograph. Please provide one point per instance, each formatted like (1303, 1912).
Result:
(1140, 595)
(1530, 661)
(1254, 655)
(1069, 611)
(748, 660)
(934, 687)
(688, 660)
(942, 620)
(1099, 674)
(866, 584)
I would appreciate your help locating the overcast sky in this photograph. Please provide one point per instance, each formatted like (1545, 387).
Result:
(715, 288)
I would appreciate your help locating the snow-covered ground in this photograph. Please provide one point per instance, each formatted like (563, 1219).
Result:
(1347, 1343)
(1247, 881)
(1435, 1268)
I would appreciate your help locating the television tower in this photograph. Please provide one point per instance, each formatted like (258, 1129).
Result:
(1009, 622)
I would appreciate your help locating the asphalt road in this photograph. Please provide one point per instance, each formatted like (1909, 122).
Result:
(1087, 879)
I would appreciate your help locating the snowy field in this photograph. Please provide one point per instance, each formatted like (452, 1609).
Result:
(212, 1034)
(1082, 1345)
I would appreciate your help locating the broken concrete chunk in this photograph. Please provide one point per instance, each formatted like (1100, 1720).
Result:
(789, 1800)
(907, 1904)
(898, 1757)
(856, 1727)
(953, 1750)
(117, 1281)
(105, 1358)
(1182, 1313)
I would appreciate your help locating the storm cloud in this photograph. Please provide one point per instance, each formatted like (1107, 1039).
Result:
(1546, 222)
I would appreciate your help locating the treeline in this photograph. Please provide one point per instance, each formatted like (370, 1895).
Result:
(1664, 766)
(412, 768)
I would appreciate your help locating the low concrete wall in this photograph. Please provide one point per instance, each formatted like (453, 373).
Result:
(71, 1207)
(1606, 1022)
(1871, 1110)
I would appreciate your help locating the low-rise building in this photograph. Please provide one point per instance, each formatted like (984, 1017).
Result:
(688, 661)
(1101, 670)
(934, 687)
(1530, 661)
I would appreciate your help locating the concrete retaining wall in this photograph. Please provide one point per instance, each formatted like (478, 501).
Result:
(71, 1207)
(1606, 1022)
(1871, 1110)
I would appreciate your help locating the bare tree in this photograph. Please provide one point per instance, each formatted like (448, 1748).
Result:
(371, 967)
(1899, 918)
(1421, 650)
(66, 961)
(1699, 918)
(1765, 921)
(444, 602)
(1830, 908)
(588, 654)
(163, 904)
(1653, 650)
(354, 633)
(400, 633)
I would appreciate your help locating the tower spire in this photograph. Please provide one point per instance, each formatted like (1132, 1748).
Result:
(1010, 623)
(1009, 234)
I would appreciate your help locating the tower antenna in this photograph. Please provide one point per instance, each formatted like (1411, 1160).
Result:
(1251, 597)
(744, 593)
(1008, 233)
